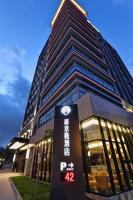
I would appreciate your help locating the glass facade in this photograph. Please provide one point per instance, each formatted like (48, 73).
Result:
(68, 99)
(107, 155)
(75, 67)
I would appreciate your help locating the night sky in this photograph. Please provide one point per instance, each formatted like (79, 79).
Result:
(24, 29)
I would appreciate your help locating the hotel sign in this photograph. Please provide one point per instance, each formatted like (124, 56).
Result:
(67, 182)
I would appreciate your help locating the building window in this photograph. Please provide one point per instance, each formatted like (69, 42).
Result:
(107, 156)
(68, 99)
(69, 72)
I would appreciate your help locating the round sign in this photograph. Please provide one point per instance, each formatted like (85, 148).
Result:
(65, 110)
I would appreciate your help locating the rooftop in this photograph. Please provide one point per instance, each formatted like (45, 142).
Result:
(60, 6)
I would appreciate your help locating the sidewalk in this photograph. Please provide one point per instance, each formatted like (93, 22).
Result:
(6, 191)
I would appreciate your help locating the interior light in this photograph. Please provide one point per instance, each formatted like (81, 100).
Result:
(95, 145)
(90, 123)
(89, 153)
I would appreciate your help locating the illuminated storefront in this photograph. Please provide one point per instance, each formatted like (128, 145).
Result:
(107, 157)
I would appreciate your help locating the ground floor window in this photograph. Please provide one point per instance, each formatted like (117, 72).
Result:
(107, 151)
(107, 156)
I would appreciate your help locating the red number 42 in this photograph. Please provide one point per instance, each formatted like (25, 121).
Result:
(69, 177)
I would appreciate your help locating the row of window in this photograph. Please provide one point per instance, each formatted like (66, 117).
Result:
(72, 96)
(69, 72)
(66, 56)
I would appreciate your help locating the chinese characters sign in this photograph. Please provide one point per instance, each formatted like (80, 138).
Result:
(66, 138)
(67, 180)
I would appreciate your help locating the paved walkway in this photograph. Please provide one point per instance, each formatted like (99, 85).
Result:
(6, 191)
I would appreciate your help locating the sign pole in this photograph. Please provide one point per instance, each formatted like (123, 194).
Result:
(67, 181)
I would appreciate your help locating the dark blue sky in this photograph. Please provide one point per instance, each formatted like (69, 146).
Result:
(24, 28)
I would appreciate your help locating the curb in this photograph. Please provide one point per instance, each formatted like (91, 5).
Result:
(15, 189)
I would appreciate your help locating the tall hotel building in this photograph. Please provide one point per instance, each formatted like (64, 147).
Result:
(78, 66)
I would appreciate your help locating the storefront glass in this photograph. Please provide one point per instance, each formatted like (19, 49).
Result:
(108, 159)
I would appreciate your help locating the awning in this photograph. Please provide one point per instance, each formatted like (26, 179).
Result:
(17, 142)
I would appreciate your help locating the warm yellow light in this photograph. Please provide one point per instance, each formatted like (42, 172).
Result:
(43, 142)
(128, 130)
(79, 7)
(109, 125)
(90, 123)
(17, 145)
(89, 153)
(26, 146)
(95, 145)
(114, 126)
(123, 139)
(61, 4)
(57, 12)
(103, 123)
(49, 140)
(119, 128)
(14, 157)
(124, 130)
(27, 153)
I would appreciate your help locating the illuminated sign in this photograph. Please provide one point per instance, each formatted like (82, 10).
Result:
(67, 172)
(67, 180)
(66, 166)
(68, 177)
(66, 138)
(65, 110)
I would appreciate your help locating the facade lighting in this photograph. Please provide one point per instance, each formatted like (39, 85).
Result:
(103, 124)
(61, 4)
(93, 26)
(14, 157)
(27, 153)
(17, 143)
(49, 140)
(26, 147)
(109, 125)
